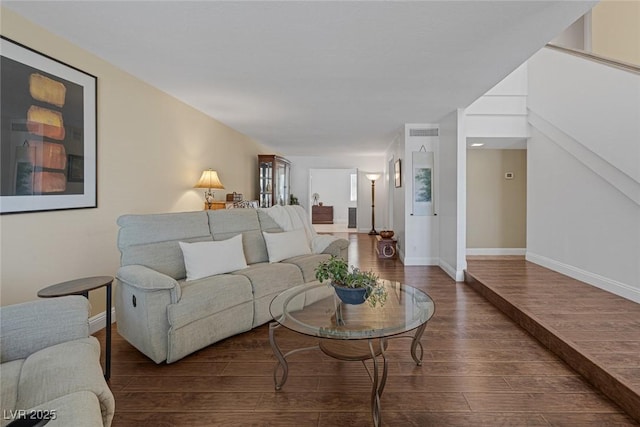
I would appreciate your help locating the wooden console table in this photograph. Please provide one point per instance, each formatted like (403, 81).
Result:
(322, 214)
(215, 206)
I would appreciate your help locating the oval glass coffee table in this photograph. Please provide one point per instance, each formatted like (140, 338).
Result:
(351, 332)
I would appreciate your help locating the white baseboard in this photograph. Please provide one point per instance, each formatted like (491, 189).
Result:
(99, 321)
(420, 261)
(496, 251)
(618, 288)
(400, 254)
(457, 275)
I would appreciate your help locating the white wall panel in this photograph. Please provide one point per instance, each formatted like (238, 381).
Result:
(421, 232)
(579, 222)
(598, 106)
(500, 104)
(497, 126)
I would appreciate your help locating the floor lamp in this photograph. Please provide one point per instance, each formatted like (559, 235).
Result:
(373, 177)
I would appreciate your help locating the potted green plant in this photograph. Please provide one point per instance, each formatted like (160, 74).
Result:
(352, 285)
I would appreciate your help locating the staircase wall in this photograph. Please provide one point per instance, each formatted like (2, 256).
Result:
(583, 207)
(502, 111)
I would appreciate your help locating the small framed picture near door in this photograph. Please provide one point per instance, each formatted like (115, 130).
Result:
(397, 173)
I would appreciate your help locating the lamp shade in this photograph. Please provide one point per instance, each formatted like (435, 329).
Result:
(209, 179)
(372, 176)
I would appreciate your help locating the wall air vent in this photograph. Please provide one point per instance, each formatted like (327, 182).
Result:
(423, 132)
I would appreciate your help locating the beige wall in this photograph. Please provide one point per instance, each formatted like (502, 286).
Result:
(615, 29)
(151, 151)
(496, 207)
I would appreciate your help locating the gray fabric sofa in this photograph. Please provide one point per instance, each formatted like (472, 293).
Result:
(50, 366)
(166, 317)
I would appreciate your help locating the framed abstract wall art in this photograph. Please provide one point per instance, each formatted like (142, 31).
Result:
(48, 133)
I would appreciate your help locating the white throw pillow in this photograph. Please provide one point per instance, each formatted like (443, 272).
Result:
(202, 259)
(286, 244)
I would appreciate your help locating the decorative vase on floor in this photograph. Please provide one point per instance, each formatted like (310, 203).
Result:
(352, 296)
(386, 234)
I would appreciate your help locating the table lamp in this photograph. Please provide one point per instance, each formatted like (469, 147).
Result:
(209, 179)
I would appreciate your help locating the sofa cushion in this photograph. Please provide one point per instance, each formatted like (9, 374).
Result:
(338, 248)
(255, 250)
(267, 279)
(64, 369)
(204, 259)
(153, 228)
(207, 296)
(152, 240)
(10, 376)
(267, 223)
(164, 257)
(286, 244)
(227, 223)
(307, 264)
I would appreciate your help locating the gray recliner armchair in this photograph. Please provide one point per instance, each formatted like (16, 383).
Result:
(50, 365)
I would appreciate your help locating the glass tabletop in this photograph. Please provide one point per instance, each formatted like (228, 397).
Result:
(314, 309)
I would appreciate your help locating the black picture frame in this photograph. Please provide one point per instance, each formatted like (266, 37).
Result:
(48, 137)
(397, 173)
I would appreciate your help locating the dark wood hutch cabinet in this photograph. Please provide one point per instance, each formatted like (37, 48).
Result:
(274, 175)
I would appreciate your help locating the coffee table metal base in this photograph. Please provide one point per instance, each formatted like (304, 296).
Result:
(350, 350)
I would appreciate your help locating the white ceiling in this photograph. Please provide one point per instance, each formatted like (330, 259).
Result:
(313, 77)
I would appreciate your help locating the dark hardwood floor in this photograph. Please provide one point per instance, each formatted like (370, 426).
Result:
(596, 332)
(479, 369)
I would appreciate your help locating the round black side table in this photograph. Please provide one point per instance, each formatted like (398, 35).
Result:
(82, 287)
